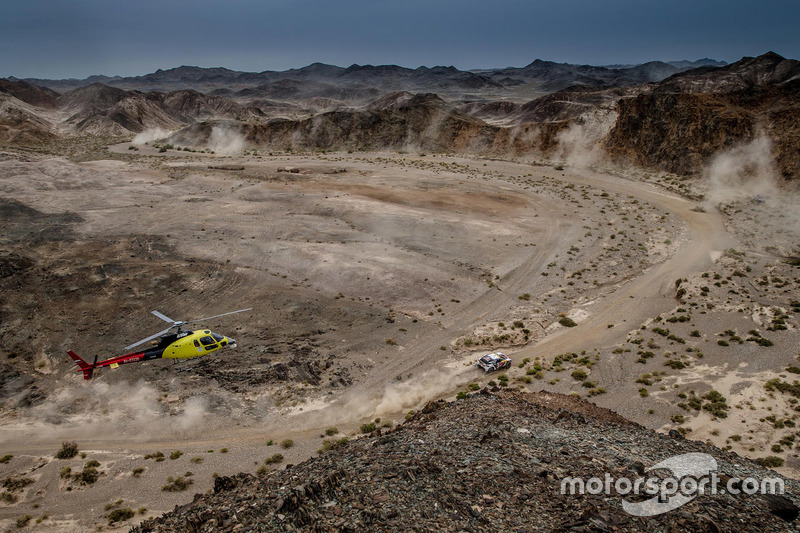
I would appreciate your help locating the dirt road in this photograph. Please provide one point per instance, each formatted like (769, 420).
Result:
(379, 270)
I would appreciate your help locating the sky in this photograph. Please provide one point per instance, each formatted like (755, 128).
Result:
(78, 38)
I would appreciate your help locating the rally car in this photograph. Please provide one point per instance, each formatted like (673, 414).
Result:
(494, 361)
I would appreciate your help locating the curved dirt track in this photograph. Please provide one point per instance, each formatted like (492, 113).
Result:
(629, 304)
(651, 293)
(398, 378)
(635, 298)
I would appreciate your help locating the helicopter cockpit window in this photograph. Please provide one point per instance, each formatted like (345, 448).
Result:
(217, 336)
(206, 340)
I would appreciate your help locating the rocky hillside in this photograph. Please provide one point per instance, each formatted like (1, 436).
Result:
(21, 123)
(397, 121)
(689, 117)
(102, 109)
(491, 462)
(30, 94)
(675, 125)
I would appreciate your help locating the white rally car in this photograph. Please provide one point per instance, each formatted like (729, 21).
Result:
(494, 361)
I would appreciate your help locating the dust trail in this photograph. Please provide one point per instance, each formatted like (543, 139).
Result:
(133, 411)
(580, 144)
(416, 392)
(743, 172)
(396, 399)
(150, 135)
(226, 140)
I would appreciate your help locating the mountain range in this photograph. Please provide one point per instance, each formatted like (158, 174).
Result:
(670, 117)
(546, 76)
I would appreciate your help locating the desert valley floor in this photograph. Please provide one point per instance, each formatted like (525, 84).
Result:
(376, 280)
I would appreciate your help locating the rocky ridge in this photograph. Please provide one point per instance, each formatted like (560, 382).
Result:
(675, 124)
(492, 461)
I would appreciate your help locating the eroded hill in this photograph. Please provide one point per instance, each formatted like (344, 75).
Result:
(493, 461)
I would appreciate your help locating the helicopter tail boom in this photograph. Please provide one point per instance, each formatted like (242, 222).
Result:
(85, 367)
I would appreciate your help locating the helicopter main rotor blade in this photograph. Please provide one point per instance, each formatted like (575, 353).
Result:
(163, 317)
(151, 337)
(216, 316)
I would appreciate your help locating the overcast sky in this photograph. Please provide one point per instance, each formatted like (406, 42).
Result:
(77, 38)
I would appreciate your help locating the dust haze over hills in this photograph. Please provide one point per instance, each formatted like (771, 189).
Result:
(627, 233)
(637, 114)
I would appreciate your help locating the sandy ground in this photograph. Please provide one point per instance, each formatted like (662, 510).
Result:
(376, 280)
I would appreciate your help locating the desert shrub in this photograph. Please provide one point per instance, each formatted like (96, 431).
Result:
(138, 471)
(196, 459)
(461, 395)
(644, 393)
(69, 449)
(7, 497)
(5, 459)
(120, 515)
(679, 318)
(13, 484)
(89, 474)
(716, 404)
(567, 322)
(783, 386)
(175, 455)
(158, 456)
(178, 484)
(330, 444)
(579, 375)
(473, 386)
(287, 443)
(331, 431)
(368, 428)
(22, 521)
(275, 459)
(770, 461)
(695, 403)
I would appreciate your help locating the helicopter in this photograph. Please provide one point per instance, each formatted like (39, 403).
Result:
(180, 344)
